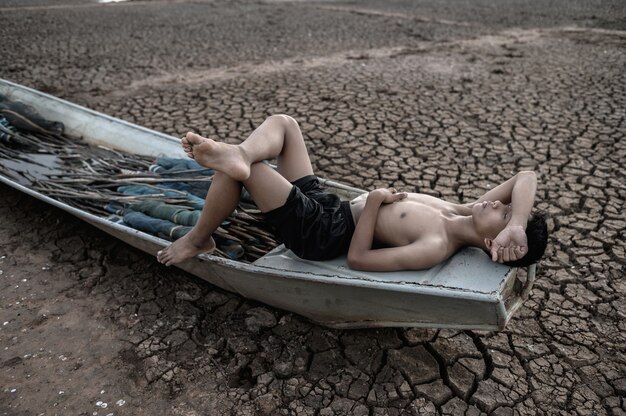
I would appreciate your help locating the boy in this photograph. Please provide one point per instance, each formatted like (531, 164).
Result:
(384, 230)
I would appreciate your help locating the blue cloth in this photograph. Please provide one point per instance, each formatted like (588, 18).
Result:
(196, 202)
(198, 189)
(170, 165)
(5, 135)
(175, 214)
(155, 226)
(155, 218)
(169, 230)
(232, 249)
(173, 167)
(114, 208)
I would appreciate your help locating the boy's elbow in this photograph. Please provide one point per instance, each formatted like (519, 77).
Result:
(352, 261)
(355, 261)
(527, 173)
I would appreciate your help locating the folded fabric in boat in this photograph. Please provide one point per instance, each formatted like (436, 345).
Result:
(199, 189)
(155, 226)
(230, 248)
(117, 220)
(176, 166)
(5, 131)
(175, 214)
(196, 203)
(114, 208)
(171, 165)
(168, 230)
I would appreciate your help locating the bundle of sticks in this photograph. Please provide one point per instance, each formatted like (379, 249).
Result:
(88, 177)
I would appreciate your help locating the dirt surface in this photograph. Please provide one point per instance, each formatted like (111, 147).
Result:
(447, 99)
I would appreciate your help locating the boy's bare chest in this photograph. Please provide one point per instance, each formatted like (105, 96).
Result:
(406, 221)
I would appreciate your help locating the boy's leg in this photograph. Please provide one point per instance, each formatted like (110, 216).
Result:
(282, 139)
(268, 188)
(221, 201)
(278, 137)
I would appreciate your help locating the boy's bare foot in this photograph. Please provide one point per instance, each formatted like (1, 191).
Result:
(184, 248)
(227, 158)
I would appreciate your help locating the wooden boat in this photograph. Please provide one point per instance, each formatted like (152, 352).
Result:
(468, 291)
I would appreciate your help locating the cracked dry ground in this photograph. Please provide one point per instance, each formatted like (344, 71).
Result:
(88, 320)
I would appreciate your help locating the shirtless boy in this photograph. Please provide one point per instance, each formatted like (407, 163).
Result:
(384, 230)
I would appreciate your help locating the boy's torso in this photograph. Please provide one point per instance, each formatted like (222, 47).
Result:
(417, 216)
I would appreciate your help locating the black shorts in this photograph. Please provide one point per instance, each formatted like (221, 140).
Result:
(314, 224)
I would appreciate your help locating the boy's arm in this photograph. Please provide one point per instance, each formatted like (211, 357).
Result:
(504, 191)
(416, 256)
(419, 255)
(519, 191)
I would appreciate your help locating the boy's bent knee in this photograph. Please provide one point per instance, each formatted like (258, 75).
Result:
(284, 119)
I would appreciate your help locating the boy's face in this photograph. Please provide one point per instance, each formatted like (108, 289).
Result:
(490, 217)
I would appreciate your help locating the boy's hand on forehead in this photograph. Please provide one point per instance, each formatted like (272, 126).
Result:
(510, 245)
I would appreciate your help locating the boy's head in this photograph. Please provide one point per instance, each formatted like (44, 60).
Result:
(490, 217)
(537, 236)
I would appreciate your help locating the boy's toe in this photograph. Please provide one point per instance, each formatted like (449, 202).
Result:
(193, 138)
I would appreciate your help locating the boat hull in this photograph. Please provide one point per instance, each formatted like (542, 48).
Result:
(327, 293)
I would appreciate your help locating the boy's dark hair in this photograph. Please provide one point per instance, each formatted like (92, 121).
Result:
(537, 236)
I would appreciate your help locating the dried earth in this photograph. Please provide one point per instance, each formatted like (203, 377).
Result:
(447, 99)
